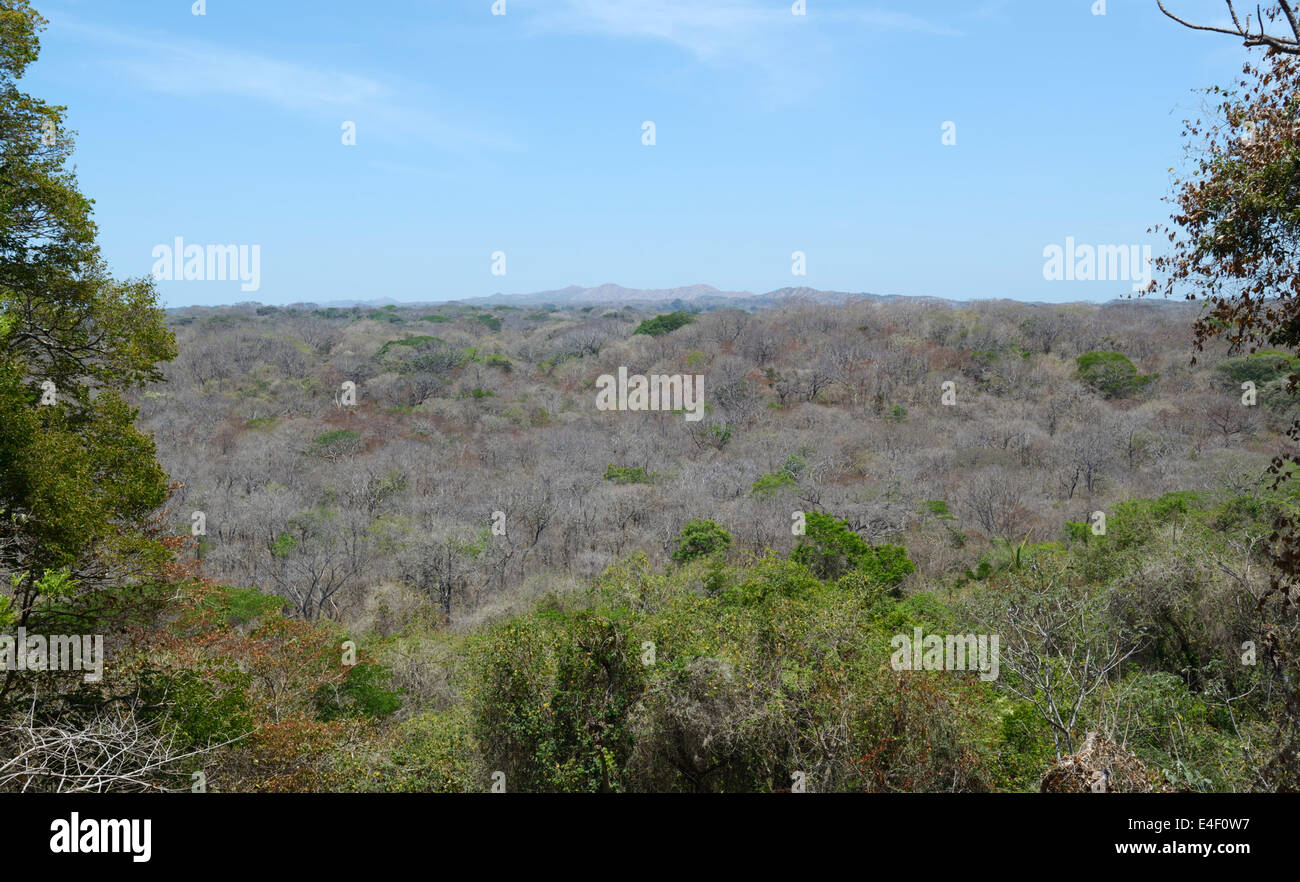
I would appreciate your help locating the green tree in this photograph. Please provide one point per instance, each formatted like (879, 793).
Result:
(1259, 368)
(773, 483)
(1235, 245)
(831, 549)
(626, 474)
(701, 538)
(1111, 374)
(78, 481)
(664, 324)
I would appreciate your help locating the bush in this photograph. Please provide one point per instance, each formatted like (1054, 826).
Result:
(209, 704)
(1111, 374)
(830, 549)
(938, 508)
(664, 324)
(411, 342)
(626, 475)
(772, 484)
(552, 709)
(363, 693)
(336, 443)
(1259, 367)
(701, 538)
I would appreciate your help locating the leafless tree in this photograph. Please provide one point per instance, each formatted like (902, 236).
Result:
(1284, 10)
(994, 500)
(1059, 651)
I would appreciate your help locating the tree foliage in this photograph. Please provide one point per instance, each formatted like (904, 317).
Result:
(664, 324)
(1235, 237)
(78, 481)
(701, 538)
(1111, 374)
(830, 548)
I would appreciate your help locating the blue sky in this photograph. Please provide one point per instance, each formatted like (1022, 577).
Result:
(522, 133)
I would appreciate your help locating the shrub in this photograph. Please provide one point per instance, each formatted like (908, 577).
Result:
(412, 342)
(701, 538)
(552, 706)
(938, 508)
(830, 549)
(433, 753)
(626, 475)
(363, 693)
(772, 484)
(1111, 374)
(664, 324)
(336, 443)
(1259, 367)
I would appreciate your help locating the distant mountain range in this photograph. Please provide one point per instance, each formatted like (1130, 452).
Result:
(610, 294)
(688, 297)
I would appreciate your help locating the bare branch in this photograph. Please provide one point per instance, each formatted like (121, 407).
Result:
(1280, 43)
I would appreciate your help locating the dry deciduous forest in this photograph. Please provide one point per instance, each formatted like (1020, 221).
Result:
(906, 544)
(462, 412)
(475, 492)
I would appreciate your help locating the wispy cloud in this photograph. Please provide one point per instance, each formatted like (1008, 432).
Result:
(708, 30)
(884, 20)
(787, 55)
(723, 28)
(195, 70)
(167, 65)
